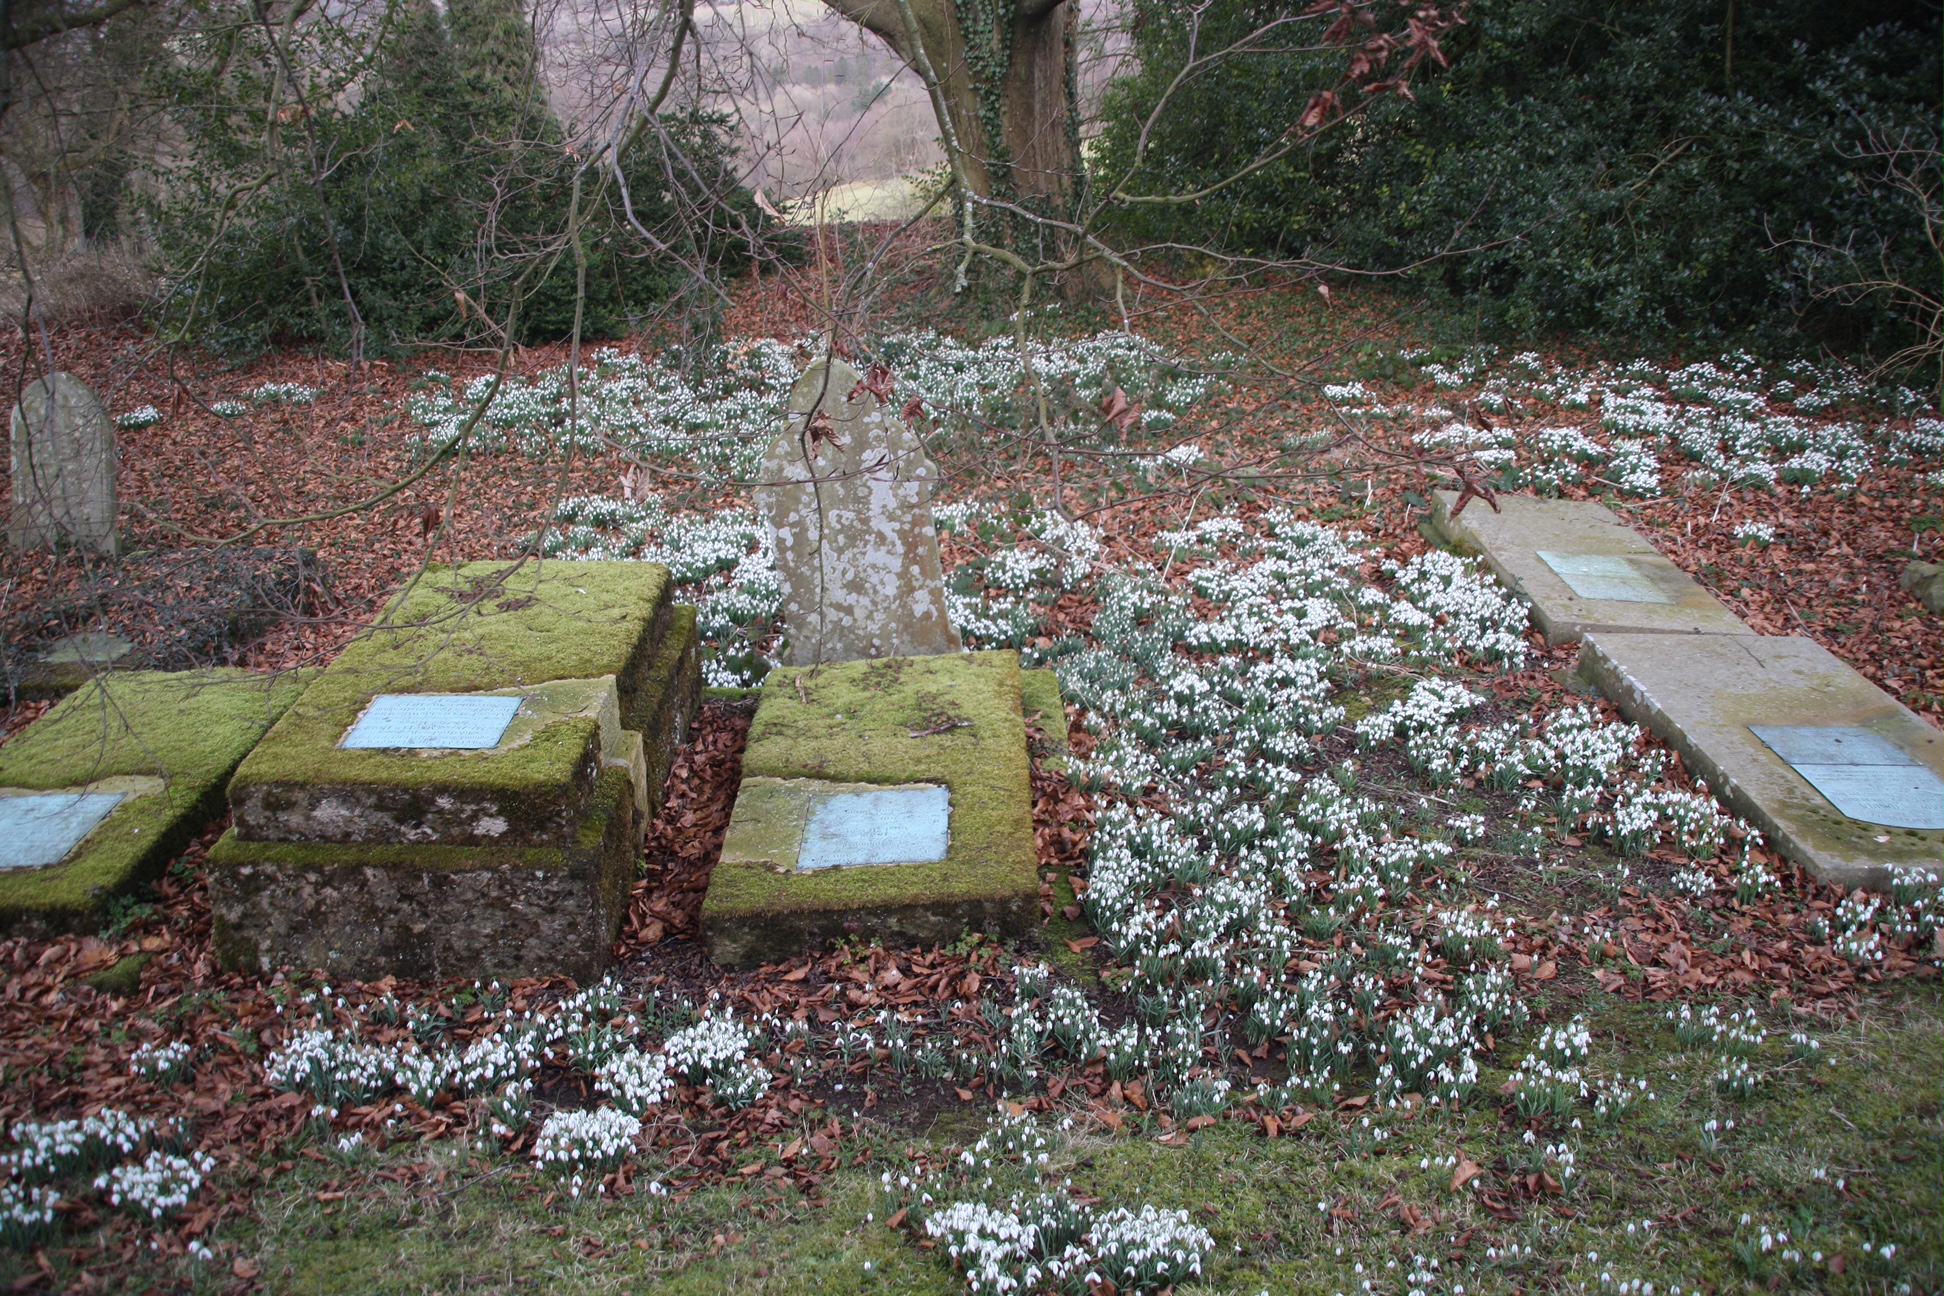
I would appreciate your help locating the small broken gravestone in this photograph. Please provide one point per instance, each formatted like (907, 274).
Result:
(847, 490)
(63, 468)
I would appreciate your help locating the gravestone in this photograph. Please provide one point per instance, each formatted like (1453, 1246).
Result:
(63, 468)
(1838, 775)
(887, 800)
(847, 490)
(99, 794)
(1581, 568)
(463, 792)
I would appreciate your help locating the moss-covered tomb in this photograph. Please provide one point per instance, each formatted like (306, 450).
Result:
(823, 734)
(153, 747)
(510, 859)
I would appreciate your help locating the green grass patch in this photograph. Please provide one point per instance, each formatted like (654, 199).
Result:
(1839, 1151)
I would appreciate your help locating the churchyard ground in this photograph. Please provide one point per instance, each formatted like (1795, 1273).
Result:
(1375, 957)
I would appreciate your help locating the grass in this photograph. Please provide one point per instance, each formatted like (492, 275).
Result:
(1865, 1112)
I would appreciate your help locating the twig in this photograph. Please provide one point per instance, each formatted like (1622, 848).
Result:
(940, 728)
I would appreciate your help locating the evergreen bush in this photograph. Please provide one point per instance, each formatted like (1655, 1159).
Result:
(1655, 170)
(425, 169)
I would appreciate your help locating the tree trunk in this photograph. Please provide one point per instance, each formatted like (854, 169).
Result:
(1006, 80)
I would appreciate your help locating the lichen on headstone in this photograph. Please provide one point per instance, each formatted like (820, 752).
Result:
(63, 467)
(847, 489)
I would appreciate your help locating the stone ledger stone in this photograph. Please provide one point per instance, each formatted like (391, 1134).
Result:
(1709, 695)
(823, 742)
(63, 468)
(1581, 568)
(153, 749)
(509, 859)
(846, 488)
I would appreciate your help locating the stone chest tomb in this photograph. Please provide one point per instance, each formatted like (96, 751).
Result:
(887, 800)
(463, 791)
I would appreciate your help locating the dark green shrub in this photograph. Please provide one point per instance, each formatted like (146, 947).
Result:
(430, 176)
(1617, 168)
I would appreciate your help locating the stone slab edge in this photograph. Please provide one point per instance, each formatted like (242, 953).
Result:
(670, 697)
(1039, 698)
(1556, 611)
(429, 912)
(1741, 770)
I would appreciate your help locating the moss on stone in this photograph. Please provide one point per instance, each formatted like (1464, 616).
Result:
(167, 739)
(429, 911)
(949, 720)
(670, 693)
(124, 978)
(477, 629)
(1039, 698)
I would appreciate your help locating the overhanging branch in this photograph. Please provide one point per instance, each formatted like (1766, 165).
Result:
(51, 23)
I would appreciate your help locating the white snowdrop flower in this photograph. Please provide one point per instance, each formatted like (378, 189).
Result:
(160, 1183)
(583, 1145)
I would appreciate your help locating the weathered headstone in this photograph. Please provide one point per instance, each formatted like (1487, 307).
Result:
(63, 467)
(847, 489)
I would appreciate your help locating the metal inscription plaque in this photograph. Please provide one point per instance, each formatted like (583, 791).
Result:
(1611, 577)
(41, 829)
(910, 825)
(442, 721)
(1862, 774)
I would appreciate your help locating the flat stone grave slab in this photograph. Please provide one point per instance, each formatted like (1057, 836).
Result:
(1581, 568)
(101, 792)
(90, 647)
(1838, 775)
(852, 775)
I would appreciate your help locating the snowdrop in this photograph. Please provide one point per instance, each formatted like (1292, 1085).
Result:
(165, 1063)
(583, 1146)
(158, 1184)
